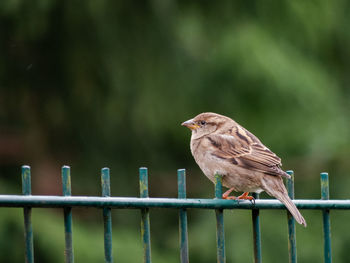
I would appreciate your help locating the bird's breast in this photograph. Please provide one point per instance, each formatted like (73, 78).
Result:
(233, 176)
(209, 164)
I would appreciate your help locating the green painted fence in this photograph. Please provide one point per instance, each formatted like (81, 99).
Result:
(144, 203)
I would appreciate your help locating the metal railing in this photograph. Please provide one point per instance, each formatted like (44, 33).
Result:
(144, 203)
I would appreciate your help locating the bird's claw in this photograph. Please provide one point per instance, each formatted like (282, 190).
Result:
(253, 201)
(230, 198)
(245, 196)
(238, 198)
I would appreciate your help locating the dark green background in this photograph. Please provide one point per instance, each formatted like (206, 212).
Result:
(107, 83)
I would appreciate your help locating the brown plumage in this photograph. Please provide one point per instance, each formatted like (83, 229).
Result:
(220, 145)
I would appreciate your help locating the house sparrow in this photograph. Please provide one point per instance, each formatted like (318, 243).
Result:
(222, 146)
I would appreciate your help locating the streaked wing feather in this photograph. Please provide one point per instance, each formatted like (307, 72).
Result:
(247, 153)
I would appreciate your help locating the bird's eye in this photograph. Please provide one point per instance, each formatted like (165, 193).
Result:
(202, 122)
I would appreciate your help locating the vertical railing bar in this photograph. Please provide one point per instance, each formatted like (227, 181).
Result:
(145, 221)
(256, 233)
(326, 219)
(107, 215)
(220, 232)
(292, 247)
(27, 212)
(68, 226)
(181, 183)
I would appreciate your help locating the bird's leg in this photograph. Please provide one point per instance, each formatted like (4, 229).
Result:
(227, 193)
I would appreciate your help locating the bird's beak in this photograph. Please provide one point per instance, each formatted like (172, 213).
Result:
(190, 124)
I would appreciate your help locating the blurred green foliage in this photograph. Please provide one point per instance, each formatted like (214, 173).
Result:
(107, 83)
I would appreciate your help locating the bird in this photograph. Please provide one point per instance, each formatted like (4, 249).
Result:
(220, 145)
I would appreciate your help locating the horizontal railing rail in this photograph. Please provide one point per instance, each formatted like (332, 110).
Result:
(137, 203)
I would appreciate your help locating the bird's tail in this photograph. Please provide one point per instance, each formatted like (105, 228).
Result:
(284, 198)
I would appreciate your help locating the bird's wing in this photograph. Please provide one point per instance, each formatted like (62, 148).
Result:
(242, 148)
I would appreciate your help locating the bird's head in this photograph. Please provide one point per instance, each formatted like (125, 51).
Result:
(206, 123)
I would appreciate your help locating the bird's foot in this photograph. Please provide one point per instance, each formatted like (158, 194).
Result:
(226, 195)
(231, 197)
(245, 196)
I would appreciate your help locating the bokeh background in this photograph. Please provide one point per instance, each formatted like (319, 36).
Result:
(107, 83)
